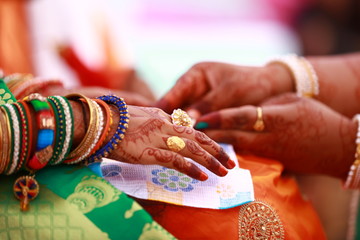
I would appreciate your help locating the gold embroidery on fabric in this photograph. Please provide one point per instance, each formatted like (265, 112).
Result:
(93, 192)
(258, 220)
(154, 231)
(5, 97)
(134, 207)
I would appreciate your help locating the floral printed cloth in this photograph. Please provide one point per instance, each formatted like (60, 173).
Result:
(167, 185)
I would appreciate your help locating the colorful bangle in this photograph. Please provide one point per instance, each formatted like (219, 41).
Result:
(45, 135)
(98, 133)
(108, 122)
(2, 161)
(59, 128)
(91, 133)
(7, 146)
(307, 83)
(353, 178)
(4, 140)
(25, 130)
(13, 124)
(69, 129)
(31, 143)
(120, 131)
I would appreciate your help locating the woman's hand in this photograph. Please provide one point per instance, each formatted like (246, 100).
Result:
(305, 135)
(145, 143)
(210, 86)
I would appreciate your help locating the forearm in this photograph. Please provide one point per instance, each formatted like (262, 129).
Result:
(339, 82)
(31, 140)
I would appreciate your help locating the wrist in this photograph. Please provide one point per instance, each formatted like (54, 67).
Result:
(79, 126)
(351, 170)
(282, 78)
(303, 75)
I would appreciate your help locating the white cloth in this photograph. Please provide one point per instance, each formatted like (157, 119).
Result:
(158, 183)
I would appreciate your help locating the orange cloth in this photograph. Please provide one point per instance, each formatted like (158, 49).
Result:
(15, 52)
(298, 217)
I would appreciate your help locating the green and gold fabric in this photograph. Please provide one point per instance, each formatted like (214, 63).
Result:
(74, 202)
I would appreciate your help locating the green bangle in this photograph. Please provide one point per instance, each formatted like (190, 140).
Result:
(59, 130)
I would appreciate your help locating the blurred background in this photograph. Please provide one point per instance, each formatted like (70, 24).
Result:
(161, 39)
(114, 43)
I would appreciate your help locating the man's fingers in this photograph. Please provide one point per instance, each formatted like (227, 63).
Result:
(285, 98)
(252, 118)
(187, 89)
(241, 118)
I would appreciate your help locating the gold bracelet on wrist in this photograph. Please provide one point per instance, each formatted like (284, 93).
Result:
(76, 154)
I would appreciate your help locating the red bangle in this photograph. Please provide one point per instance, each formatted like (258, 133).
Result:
(45, 136)
(108, 121)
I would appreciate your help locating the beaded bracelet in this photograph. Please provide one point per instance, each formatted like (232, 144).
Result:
(307, 83)
(45, 135)
(353, 178)
(120, 131)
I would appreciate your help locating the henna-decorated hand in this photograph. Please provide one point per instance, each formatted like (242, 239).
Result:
(145, 143)
(207, 87)
(305, 135)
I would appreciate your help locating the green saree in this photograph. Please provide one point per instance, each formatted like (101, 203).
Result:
(74, 202)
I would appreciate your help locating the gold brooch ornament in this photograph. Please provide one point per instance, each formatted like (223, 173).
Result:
(181, 118)
(258, 220)
(26, 189)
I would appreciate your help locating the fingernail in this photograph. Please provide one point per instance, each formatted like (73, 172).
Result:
(201, 125)
(211, 120)
(223, 171)
(203, 176)
(230, 163)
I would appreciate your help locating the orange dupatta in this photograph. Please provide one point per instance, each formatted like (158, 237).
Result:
(279, 208)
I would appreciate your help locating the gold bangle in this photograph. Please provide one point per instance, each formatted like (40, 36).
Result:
(2, 160)
(9, 137)
(7, 140)
(90, 134)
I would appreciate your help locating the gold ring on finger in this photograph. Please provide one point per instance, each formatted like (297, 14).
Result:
(259, 125)
(175, 143)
